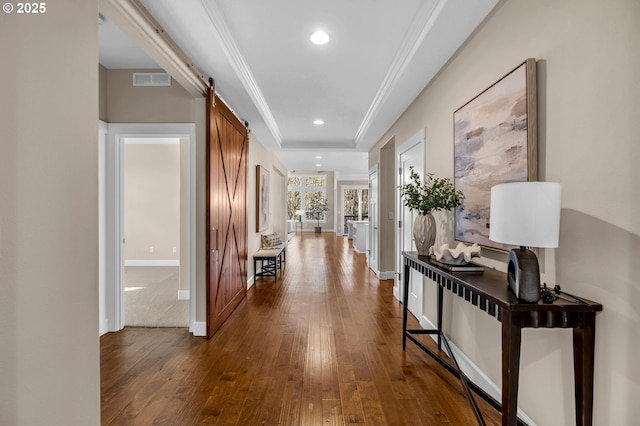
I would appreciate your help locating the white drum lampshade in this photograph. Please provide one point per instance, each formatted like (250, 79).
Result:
(525, 214)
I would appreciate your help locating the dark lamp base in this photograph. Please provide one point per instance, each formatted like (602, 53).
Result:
(523, 275)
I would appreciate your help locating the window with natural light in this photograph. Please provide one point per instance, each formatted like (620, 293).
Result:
(303, 192)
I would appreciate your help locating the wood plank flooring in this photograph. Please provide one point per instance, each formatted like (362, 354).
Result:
(321, 346)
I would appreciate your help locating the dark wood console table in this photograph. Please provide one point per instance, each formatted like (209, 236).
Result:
(489, 292)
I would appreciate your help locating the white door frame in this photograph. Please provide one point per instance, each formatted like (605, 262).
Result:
(102, 141)
(114, 212)
(374, 222)
(415, 280)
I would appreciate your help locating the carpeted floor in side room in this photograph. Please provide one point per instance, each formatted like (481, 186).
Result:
(151, 297)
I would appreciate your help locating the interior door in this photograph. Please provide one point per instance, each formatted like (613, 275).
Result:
(410, 154)
(227, 212)
(373, 219)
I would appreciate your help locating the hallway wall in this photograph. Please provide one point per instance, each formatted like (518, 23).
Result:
(258, 155)
(588, 93)
(141, 104)
(49, 347)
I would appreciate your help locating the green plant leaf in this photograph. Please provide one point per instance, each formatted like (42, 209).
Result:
(430, 195)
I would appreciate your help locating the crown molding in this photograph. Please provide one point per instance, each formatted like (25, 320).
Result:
(420, 27)
(240, 66)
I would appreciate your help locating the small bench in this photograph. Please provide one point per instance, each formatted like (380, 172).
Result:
(271, 259)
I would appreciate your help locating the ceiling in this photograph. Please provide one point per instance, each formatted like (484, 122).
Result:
(380, 56)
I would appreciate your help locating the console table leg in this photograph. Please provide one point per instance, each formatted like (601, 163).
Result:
(511, 340)
(583, 364)
(405, 300)
(440, 296)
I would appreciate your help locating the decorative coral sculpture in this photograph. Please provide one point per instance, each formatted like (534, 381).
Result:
(455, 256)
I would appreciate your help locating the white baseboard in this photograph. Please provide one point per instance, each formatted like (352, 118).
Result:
(475, 374)
(386, 275)
(199, 328)
(167, 262)
(251, 281)
(183, 295)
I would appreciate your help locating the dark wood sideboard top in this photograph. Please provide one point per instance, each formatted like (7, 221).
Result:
(490, 292)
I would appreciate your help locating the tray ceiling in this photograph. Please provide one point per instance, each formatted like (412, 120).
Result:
(380, 56)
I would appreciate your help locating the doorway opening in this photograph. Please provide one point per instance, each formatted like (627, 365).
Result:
(410, 154)
(169, 259)
(355, 205)
(156, 292)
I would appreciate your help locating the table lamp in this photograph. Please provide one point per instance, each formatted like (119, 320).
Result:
(525, 214)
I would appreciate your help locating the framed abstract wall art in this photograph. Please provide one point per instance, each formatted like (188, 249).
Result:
(262, 199)
(495, 141)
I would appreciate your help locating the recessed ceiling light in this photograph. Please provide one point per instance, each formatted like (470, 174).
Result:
(318, 122)
(318, 157)
(319, 37)
(318, 165)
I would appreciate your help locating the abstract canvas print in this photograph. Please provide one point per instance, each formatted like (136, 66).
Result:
(494, 142)
(262, 199)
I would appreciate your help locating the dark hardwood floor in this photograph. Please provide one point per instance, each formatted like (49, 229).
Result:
(322, 345)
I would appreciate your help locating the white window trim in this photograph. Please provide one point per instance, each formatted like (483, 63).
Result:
(303, 189)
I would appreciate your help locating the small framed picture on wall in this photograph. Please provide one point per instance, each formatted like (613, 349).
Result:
(262, 199)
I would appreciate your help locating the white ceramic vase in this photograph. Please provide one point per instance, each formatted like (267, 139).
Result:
(424, 233)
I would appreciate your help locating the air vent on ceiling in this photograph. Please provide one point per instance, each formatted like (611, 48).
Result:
(151, 79)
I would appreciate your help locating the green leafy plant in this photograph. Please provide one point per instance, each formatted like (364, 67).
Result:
(431, 195)
(317, 207)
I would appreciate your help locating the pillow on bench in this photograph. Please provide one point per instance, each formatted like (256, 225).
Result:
(271, 240)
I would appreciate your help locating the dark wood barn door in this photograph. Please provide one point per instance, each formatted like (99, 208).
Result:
(228, 144)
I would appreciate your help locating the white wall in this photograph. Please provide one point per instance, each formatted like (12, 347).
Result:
(152, 200)
(588, 91)
(49, 347)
